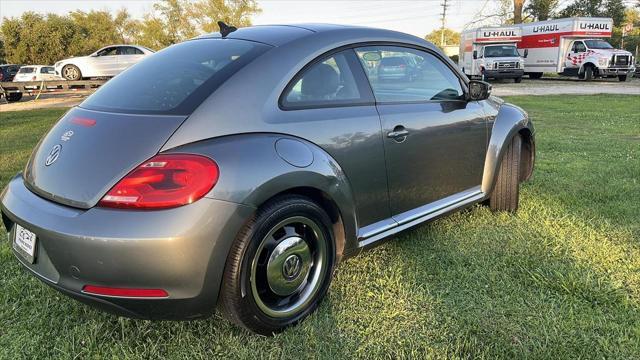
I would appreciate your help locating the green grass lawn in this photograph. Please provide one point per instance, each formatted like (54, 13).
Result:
(560, 279)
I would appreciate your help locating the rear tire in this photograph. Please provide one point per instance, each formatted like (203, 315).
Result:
(517, 80)
(71, 73)
(535, 75)
(622, 78)
(260, 291)
(506, 191)
(13, 97)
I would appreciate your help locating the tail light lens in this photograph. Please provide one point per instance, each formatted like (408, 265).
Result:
(33, 78)
(164, 181)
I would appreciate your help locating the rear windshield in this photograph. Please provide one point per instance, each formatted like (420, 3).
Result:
(26, 70)
(175, 80)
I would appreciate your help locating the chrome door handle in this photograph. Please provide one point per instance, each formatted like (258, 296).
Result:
(398, 132)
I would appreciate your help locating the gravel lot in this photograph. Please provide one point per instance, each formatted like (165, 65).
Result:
(556, 86)
(545, 86)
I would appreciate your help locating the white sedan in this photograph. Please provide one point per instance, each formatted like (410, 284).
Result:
(106, 62)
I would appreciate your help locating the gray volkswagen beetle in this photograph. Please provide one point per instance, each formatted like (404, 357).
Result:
(238, 169)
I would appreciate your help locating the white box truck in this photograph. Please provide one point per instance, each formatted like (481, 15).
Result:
(574, 47)
(491, 53)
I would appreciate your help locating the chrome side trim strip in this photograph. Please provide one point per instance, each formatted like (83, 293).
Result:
(419, 215)
(376, 228)
(424, 210)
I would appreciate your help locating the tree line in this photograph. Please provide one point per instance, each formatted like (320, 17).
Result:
(44, 39)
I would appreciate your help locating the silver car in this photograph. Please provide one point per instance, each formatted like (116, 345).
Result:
(106, 62)
(245, 175)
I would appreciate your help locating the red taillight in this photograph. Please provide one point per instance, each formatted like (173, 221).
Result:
(33, 78)
(124, 292)
(402, 66)
(164, 181)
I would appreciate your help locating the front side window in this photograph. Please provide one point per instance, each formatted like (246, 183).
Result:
(177, 79)
(579, 47)
(47, 70)
(107, 51)
(400, 74)
(330, 82)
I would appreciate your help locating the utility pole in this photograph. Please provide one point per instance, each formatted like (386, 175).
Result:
(443, 21)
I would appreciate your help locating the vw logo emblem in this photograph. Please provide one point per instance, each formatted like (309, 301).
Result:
(291, 267)
(53, 155)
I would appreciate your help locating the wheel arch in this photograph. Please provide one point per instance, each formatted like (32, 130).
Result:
(587, 64)
(327, 204)
(510, 121)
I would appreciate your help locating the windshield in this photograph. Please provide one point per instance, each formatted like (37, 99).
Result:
(26, 70)
(598, 44)
(501, 51)
(175, 80)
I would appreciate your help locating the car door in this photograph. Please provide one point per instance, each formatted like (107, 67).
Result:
(435, 141)
(48, 73)
(127, 56)
(330, 104)
(576, 55)
(104, 62)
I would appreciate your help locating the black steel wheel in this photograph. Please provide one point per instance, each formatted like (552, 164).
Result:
(279, 267)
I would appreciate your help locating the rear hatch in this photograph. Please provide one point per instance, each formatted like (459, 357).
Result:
(129, 118)
(88, 152)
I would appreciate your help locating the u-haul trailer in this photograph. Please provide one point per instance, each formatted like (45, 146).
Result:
(491, 52)
(574, 47)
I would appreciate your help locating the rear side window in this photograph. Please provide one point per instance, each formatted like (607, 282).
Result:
(336, 80)
(177, 79)
(128, 50)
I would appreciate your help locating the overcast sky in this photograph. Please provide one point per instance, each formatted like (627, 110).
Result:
(417, 17)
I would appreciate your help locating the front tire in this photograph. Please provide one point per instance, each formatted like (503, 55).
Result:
(622, 78)
(588, 73)
(279, 267)
(71, 73)
(517, 80)
(506, 192)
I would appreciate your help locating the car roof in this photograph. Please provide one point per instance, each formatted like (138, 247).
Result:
(278, 35)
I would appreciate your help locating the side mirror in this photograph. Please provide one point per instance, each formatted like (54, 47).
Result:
(479, 90)
(526, 53)
(475, 54)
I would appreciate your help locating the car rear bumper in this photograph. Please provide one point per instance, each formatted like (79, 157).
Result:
(504, 74)
(181, 250)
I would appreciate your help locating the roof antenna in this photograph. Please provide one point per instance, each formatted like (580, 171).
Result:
(226, 29)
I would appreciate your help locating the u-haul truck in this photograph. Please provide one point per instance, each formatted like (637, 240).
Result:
(491, 53)
(574, 47)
